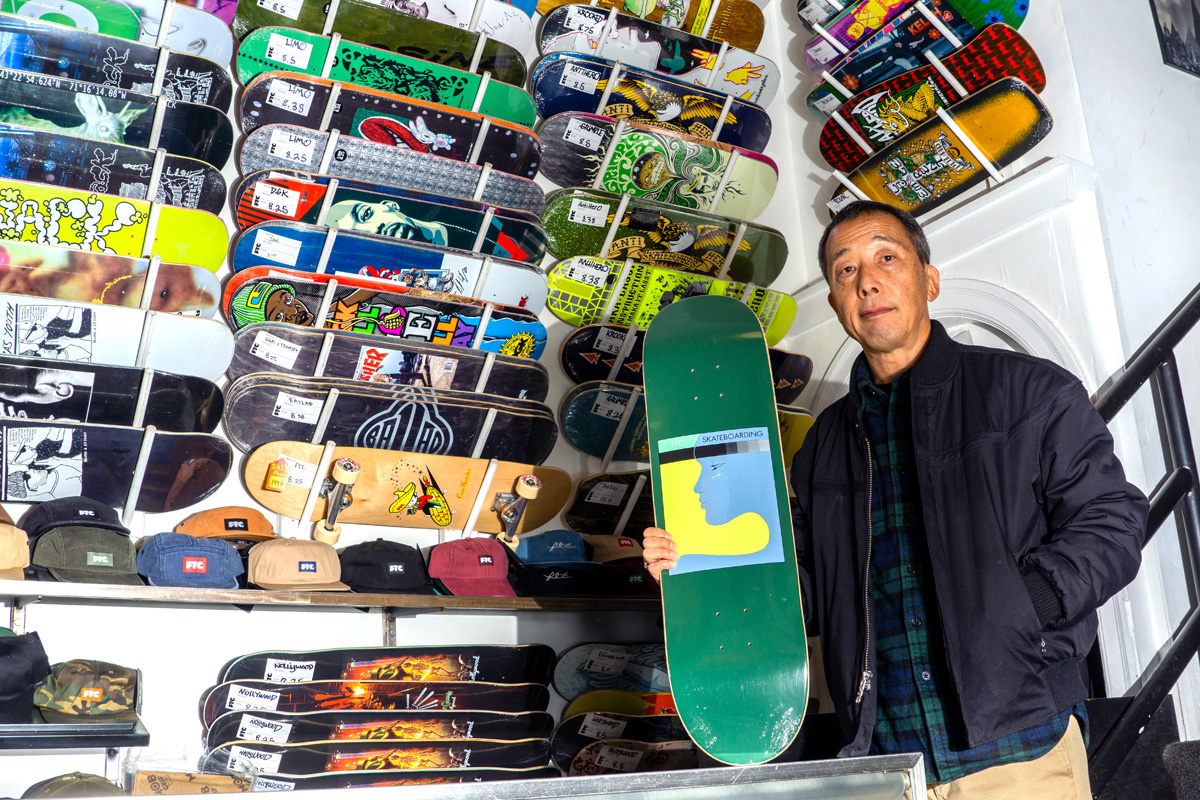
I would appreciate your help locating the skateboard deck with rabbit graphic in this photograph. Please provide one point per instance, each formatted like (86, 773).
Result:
(739, 22)
(732, 605)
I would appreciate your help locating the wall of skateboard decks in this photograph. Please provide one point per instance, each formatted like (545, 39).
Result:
(367, 167)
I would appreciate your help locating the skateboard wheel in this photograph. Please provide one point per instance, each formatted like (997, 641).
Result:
(345, 470)
(528, 486)
(326, 534)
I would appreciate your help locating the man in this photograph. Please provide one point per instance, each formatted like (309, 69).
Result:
(961, 515)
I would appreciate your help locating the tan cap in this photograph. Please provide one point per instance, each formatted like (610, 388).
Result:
(14, 552)
(300, 565)
(608, 547)
(230, 522)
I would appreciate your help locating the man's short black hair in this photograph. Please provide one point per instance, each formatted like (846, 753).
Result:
(860, 207)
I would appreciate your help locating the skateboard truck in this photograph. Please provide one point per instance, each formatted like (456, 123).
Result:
(511, 506)
(339, 496)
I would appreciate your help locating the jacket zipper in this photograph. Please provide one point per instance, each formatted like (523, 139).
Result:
(864, 683)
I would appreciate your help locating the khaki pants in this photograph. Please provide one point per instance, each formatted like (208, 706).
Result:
(1061, 774)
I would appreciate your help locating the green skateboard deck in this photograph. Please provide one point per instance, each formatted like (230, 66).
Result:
(736, 649)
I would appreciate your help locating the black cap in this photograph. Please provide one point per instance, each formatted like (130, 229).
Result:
(530, 581)
(627, 577)
(23, 666)
(386, 567)
(73, 511)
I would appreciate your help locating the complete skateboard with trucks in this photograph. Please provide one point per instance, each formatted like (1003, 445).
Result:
(592, 222)
(739, 22)
(734, 623)
(581, 730)
(317, 758)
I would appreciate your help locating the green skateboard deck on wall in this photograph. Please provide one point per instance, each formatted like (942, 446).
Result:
(736, 649)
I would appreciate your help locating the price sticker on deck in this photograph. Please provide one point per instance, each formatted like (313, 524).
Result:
(823, 52)
(246, 697)
(606, 662)
(606, 493)
(292, 147)
(257, 729)
(621, 759)
(839, 200)
(297, 409)
(588, 213)
(609, 341)
(263, 762)
(286, 8)
(827, 104)
(262, 784)
(812, 13)
(586, 271)
(276, 248)
(278, 201)
(598, 726)
(290, 97)
(585, 19)
(610, 406)
(288, 51)
(585, 134)
(277, 351)
(580, 79)
(281, 670)
(300, 473)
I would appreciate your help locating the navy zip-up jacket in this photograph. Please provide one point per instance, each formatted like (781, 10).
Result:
(1030, 522)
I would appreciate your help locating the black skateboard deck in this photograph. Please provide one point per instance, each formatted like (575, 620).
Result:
(371, 695)
(376, 726)
(347, 780)
(621, 756)
(44, 389)
(314, 758)
(293, 350)
(600, 500)
(577, 732)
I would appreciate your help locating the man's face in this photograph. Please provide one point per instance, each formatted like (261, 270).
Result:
(282, 306)
(879, 288)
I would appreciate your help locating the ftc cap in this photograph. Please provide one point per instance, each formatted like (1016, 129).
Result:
(23, 665)
(71, 511)
(77, 784)
(474, 567)
(177, 559)
(229, 522)
(383, 566)
(606, 547)
(87, 555)
(299, 565)
(82, 690)
(558, 548)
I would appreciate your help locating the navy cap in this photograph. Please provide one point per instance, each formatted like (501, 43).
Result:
(177, 559)
(557, 581)
(383, 566)
(23, 665)
(558, 548)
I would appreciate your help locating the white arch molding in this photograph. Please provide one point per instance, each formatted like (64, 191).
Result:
(1005, 318)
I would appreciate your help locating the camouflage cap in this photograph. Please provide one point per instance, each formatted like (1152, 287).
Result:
(82, 690)
(76, 784)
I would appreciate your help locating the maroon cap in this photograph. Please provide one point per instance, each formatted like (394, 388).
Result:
(474, 567)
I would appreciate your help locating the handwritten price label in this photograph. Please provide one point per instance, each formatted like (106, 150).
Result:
(265, 762)
(289, 52)
(584, 134)
(606, 662)
(609, 341)
(606, 493)
(620, 759)
(256, 729)
(290, 97)
(286, 8)
(292, 147)
(580, 79)
(585, 19)
(274, 350)
(588, 213)
(296, 409)
(598, 726)
(610, 406)
(279, 249)
(276, 200)
(586, 271)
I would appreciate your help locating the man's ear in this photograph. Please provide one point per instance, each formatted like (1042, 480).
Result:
(933, 283)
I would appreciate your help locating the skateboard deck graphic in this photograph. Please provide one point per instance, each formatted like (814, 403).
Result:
(678, 169)
(732, 605)
(857, 23)
(590, 415)
(61, 273)
(104, 223)
(576, 732)
(291, 147)
(268, 782)
(569, 82)
(888, 110)
(932, 165)
(290, 349)
(377, 726)
(406, 490)
(317, 758)
(600, 500)
(371, 695)
(739, 22)
(614, 701)
(584, 291)
(589, 354)
(651, 45)
(292, 99)
(380, 307)
(414, 419)
(601, 665)
(52, 460)
(43, 47)
(272, 49)
(42, 389)
(620, 756)
(577, 222)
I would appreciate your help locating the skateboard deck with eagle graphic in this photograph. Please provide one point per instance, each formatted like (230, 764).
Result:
(364, 22)
(577, 732)
(380, 307)
(36, 45)
(650, 45)
(584, 291)
(318, 758)
(615, 701)
(379, 116)
(274, 782)
(292, 350)
(293, 147)
(739, 22)
(732, 605)
(569, 82)
(407, 490)
(932, 165)
(600, 500)
(622, 756)
(578, 221)
(589, 354)
(424, 418)
(389, 211)
(675, 168)
(274, 49)
(888, 110)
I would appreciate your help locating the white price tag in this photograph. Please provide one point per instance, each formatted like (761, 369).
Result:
(282, 671)
(286, 8)
(263, 762)
(606, 662)
(292, 146)
(812, 13)
(276, 248)
(278, 201)
(290, 97)
(587, 135)
(840, 199)
(300, 473)
(824, 53)
(609, 341)
(828, 104)
(245, 697)
(262, 784)
(275, 350)
(606, 493)
(587, 271)
(621, 759)
(586, 19)
(257, 729)
(598, 726)
(297, 409)
(610, 406)
(289, 52)
(579, 78)
(587, 213)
